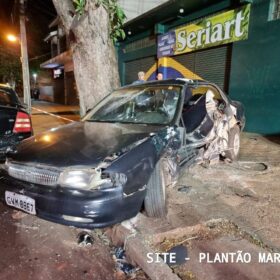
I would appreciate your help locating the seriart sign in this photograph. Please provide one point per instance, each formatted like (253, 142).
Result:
(216, 30)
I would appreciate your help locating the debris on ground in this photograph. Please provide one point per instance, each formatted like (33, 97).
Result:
(18, 215)
(215, 228)
(184, 189)
(85, 239)
(181, 255)
(121, 262)
(101, 235)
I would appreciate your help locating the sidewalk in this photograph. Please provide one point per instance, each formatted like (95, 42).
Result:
(224, 208)
(46, 115)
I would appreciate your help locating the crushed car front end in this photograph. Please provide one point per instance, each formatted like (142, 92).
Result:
(80, 208)
(84, 188)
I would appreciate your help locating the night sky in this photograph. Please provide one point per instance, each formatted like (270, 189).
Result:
(39, 12)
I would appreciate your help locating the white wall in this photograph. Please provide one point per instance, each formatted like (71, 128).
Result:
(134, 8)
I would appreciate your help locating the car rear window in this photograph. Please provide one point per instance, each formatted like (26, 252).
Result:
(7, 97)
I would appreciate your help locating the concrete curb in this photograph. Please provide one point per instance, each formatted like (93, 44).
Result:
(137, 250)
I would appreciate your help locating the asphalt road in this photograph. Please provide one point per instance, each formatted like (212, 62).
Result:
(47, 115)
(35, 249)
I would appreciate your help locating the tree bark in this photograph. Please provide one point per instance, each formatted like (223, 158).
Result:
(94, 56)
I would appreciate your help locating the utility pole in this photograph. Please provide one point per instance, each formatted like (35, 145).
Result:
(24, 56)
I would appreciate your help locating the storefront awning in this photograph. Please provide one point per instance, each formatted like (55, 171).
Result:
(62, 60)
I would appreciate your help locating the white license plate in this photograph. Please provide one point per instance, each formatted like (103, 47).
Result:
(21, 202)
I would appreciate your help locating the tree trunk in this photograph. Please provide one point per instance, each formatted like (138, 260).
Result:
(94, 56)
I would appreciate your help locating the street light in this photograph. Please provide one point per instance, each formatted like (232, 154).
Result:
(34, 77)
(12, 38)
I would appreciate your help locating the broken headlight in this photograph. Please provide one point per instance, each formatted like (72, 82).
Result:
(88, 179)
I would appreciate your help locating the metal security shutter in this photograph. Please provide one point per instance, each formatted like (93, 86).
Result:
(134, 66)
(187, 60)
(211, 64)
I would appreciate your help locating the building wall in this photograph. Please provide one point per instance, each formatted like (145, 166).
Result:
(255, 71)
(192, 65)
(45, 84)
(59, 96)
(253, 65)
(135, 8)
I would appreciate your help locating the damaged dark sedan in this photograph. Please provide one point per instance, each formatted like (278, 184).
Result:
(124, 153)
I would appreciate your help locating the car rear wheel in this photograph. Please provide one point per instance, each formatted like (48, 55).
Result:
(233, 143)
(155, 200)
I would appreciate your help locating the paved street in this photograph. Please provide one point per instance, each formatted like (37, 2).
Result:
(47, 115)
(34, 249)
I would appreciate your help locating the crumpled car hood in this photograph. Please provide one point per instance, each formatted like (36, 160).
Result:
(80, 143)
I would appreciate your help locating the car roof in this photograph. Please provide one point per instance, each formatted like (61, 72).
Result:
(178, 81)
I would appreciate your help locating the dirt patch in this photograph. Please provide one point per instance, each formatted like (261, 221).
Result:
(218, 237)
(246, 193)
(211, 230)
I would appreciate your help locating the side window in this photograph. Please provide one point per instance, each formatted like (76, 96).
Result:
(194, 94)
(200, 102)
(194, 109)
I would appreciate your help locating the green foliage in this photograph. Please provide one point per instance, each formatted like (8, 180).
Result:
(10, 65)
(115, 12)
(117, 18)
(79, 6)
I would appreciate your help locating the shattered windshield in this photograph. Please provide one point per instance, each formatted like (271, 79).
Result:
(146, 105)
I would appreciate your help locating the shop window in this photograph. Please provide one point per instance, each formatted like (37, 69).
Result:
(274, 10)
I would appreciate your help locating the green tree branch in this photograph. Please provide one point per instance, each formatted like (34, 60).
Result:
(115, 12)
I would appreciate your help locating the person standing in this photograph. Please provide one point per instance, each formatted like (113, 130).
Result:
(141, 76)
(159, 76)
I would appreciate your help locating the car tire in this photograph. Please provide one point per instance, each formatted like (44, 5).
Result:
(233, 143)
(155, 200)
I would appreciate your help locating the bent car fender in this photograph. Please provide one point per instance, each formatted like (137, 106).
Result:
(139, 163)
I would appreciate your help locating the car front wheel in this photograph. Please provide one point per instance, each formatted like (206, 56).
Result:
(155, 200)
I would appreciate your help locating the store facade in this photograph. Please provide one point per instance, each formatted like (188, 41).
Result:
(235, 44)
(60, 85)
